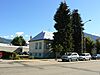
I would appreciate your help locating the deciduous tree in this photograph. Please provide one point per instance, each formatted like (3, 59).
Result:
(97, 45)
(89, 45)
(18, 41)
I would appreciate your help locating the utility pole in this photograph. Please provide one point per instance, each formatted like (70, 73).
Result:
(83, 39)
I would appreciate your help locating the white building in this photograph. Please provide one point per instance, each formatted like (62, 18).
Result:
(39, 45)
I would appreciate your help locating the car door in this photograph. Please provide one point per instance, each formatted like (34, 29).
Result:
(88, 56)
(74, 56)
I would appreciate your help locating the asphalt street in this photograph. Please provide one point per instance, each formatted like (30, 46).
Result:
(49, 67)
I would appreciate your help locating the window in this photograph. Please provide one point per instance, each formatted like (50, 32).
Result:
(46, 46)
(39, 54)
(74, 54)
(40, 45)
(36, 45)
(35, 54)
(30, 54)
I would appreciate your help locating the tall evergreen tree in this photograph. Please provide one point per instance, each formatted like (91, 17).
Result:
(77, 31)
(63, 36)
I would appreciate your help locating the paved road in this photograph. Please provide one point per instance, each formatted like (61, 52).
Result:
(50, 67)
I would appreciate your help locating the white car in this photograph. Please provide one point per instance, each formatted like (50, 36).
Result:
(70, 57)
(85, 56)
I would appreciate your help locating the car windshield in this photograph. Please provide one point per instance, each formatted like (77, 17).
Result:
(68, 54)
(98, 54)
(82, 54)
(95, 55)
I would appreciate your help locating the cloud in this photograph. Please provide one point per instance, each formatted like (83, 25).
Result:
(26, 35)
(19, 33)
(11, 36)
(6, 36)
(96, 34)
(1, 36)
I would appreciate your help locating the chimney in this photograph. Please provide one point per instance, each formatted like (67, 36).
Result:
(30, 37)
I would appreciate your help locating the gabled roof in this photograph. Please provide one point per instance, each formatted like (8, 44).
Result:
(43, 35)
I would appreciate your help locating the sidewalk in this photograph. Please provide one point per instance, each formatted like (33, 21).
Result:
(2, 60)
(31, 60)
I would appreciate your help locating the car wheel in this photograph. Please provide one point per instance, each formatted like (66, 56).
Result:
(63, 60)
(89, 58)
(84, 59)
(69, 60)
(76, 59)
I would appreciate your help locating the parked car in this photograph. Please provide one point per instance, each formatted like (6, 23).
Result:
(96, 56)
(70, 57)
(85, 56)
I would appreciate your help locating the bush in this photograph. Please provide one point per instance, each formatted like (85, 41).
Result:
(15, 56)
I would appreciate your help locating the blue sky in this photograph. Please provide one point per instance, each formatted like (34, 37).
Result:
(30, 17)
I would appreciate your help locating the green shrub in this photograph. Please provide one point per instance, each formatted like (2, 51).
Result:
(15, 56)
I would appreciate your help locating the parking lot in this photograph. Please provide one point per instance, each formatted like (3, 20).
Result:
(49, 67)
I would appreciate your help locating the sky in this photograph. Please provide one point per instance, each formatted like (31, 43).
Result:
(30, 17)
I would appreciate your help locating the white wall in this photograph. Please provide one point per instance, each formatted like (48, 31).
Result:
(35, 52)
(38, 52)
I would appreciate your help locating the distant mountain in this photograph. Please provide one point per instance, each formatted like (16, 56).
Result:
(6, 41)
(93, 37)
